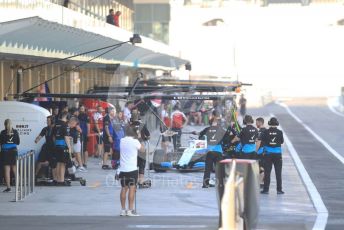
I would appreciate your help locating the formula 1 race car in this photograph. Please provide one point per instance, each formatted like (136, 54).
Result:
(186, 159)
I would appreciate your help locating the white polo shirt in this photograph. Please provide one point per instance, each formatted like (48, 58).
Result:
(129, 149)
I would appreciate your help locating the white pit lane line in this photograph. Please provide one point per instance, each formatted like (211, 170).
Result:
(332, 103)
(316, 136)
(322, 212)
(141, 226)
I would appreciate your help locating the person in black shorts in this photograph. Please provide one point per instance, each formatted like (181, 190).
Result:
(84, 122)
(63, 148)
(9, 140)
(130, 146)
(46, 155)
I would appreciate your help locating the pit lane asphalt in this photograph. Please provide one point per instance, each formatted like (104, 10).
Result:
(176, 201)
(326, 172)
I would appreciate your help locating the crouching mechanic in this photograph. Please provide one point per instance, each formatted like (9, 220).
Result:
(46, 155)
(128, 175)
(273, 140)
(214, 134)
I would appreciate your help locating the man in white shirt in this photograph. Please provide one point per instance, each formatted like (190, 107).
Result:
(128, 176)
(127, 111)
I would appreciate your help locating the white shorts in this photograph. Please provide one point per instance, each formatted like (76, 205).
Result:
(77, 147)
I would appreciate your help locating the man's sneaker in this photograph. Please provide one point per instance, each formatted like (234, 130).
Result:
(106, 167)
(81, 169)
(7, 190)
(123, 212)
(205, 186)
(264, 192)
(280, 192)
(132, 213)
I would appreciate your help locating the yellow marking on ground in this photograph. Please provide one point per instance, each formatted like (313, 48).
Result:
(95, 185)
(189, 185)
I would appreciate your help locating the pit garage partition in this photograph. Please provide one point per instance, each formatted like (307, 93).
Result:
(238, 193)
(25, 175)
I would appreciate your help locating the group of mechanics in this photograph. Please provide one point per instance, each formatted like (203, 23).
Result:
(249, 142)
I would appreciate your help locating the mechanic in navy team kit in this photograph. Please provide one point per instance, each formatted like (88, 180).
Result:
(259, 144)
(273, 140)
(214, 135)
(248, 137)
(9, 140)
(62, 148)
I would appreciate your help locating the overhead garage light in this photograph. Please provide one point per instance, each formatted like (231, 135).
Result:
(188, 66)
(135, 39)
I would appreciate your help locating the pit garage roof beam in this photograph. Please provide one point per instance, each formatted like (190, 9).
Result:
(37, 37)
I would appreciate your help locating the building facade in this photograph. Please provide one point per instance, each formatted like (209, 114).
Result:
(152, 19)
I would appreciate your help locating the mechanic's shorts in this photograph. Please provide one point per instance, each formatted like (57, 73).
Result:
(107, 145)
(9, 157)
(107, 148)
(62, 155)
(141, 164)
(166, 139)
(46, 153)
(99, 138)
(53, 160)
(248, 156)
(84, 143)
(128, 178)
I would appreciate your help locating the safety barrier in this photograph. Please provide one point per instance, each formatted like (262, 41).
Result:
(238, 194)
(25, 175)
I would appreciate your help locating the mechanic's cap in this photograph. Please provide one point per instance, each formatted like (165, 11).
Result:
(273, 122)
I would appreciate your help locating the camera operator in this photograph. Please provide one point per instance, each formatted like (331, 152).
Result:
(144, 136)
